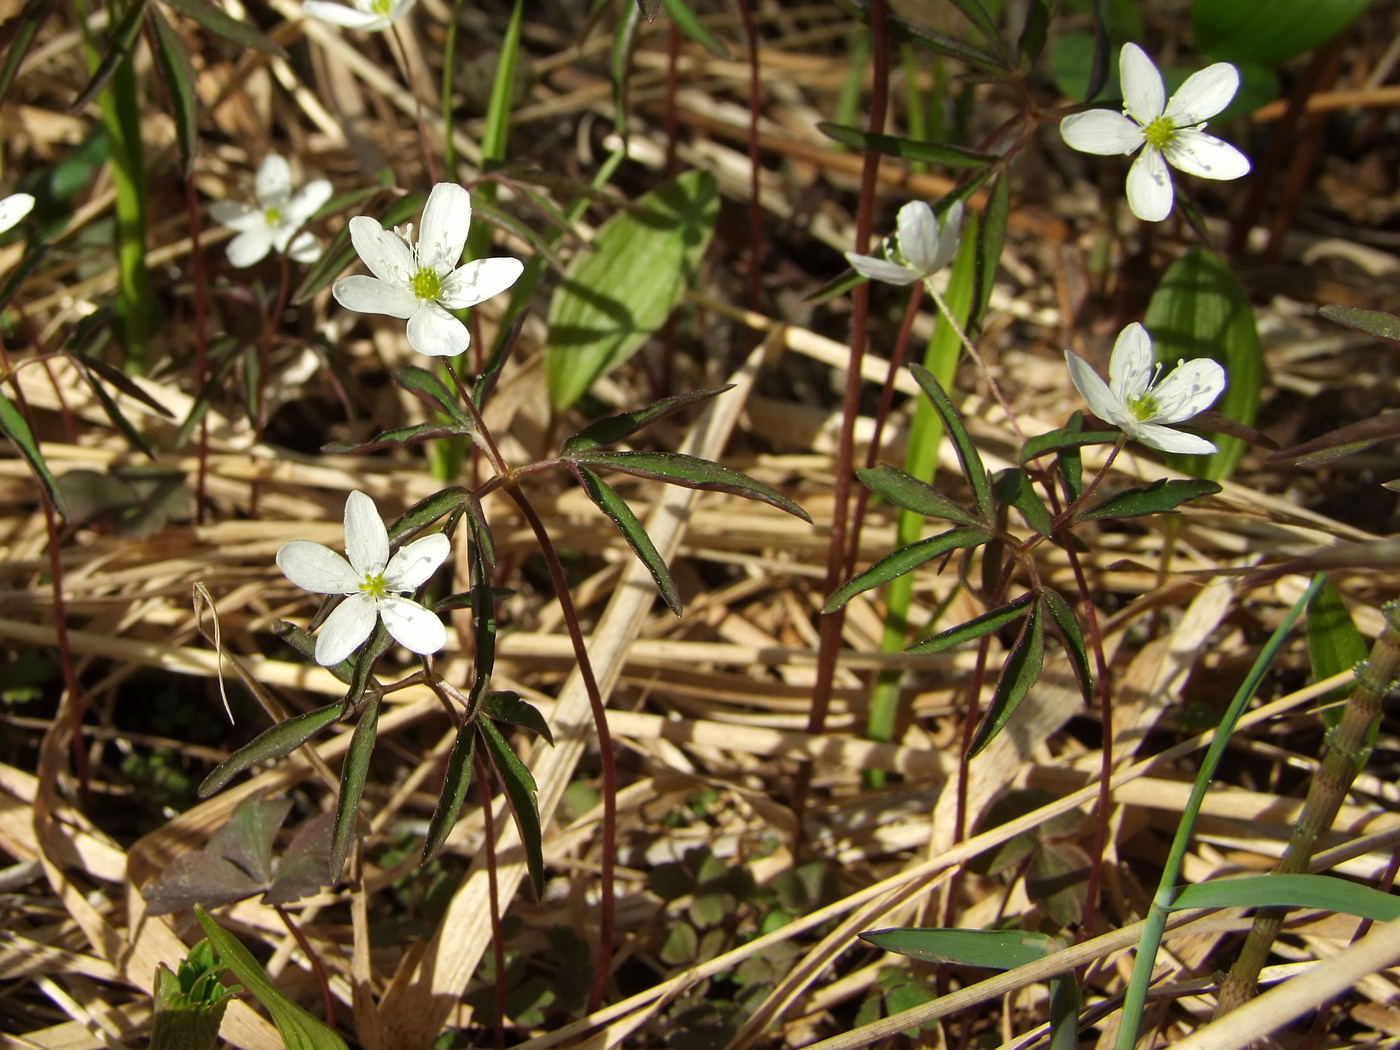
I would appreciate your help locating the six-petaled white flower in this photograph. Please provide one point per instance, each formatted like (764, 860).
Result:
(277, 218)
(13, 208)
(421, 280)
(1169, 132)
(921, 248)
(1140, 401)
(369, 15)
(374, 583)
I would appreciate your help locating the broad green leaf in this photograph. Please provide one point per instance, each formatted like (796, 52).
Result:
(986, 623)
(1201, 310)
(993, 949)
(177, 75)
(606, 499)
(1011, 486)
(971, 459)
(1334, 644)
(676, 468)
(1372, 322)
(905, 490)
(214, 19)
(1068, 625)
(431, 390)
(614, 296)
(14, 427)
(908, 149)
(608, 431)
(455, 781)
(1157, 498)
(277, 742)
(1018, 674)
(1074, 436)
(403, 437)
(1269, 31)
(299, 1030)
(505, 706)
(120, 41)
(352, 784)
(340, 251)
(689, 24)
(1291, 891)
(520, 793)
(904, 560)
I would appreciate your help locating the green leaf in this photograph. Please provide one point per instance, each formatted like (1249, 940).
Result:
(189, 1007)
(177, 75)
(299, 638)
(214, 19)
(455, 781)
(904, 560)
(1334, 644)
(991, 237)
(402, 437)
(352, 784)
(1013, 487)
(1291, 891)
(1033, 33)
(986, 623)
(340, 251)
(277, 742)
(1083, 67)
(21, 30)
(431, 390)
(691, 26)
(676, 468)
(992, 949)
(905, 490)
(979, 16)
(616, 428)
(364, 661)
(968, 456)
(1269, 31)
(505, 706)
(13, 426)
(1157, 498)
(121, 40)
(606, 499)
(1018, 674)
(906, 32)
(495, 135)
(1372, 322)
(1071, 436)
(299, 1030)
(612, 298)
(426, 511)
(908, 149)
(1073, 637)
(520, 793)
(115, 414)
(1201, 310)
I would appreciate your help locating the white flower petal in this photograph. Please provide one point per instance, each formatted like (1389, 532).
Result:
(1144, 96)
(1204, 94)
(307, 201)
(1150, 187)
(399, 9)
(435, 332)
(1165, 439)
(366, 539)
(304, 248)
(340, 15)
(881, 269)
(478, 281)
(250, 247)
(918, 236)
(13, 208)
(446, 218)
(414, 562)
(1101, 131)
(948, 237)
(273, 182)
(385, 253)
(413, 626)
(316, 568)
(1094, 390)
(1130, 366)
(1197, 153)
(345, 629)
(1188, 390)
(369, 295)
(237, 216)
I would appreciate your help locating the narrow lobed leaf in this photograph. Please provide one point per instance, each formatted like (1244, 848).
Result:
(904, 490)
(455, 781)
(1068, 626)
(986, 623)
(278, 742)
(352, 785)
(606, 499)
(121, 40)
(1018, 674)
(431, 390)
(177, 74)
(616, 428)
(676, 468)
(973, 468)
(1157, 498)
(905, 560)
(520, 794)
(403, 437)
(506, 706)
(908, 149)
(217, 21)
(1011, 486)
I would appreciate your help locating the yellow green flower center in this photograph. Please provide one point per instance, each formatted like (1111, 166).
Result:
(426, 284)
(1159, 132)
(272, 216)
(373, 585)
(1143, 407)
(381, 7)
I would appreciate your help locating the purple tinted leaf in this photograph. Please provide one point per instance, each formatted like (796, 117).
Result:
(247, 837)
(615, 428)
(198, 878)
(1018, 674)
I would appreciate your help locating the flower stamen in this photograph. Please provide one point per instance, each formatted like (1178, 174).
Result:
(426, 284)
(373, 585)
(1159, 133)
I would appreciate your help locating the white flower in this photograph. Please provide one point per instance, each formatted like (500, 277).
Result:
(369, 15)
(422, 281)
(1141, 403)
(374, 583)
(922, 248)
(1169, 132)
(13, 208)
(276, 219)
